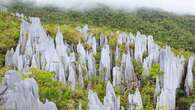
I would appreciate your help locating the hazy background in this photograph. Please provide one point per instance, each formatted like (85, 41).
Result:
(175, 6)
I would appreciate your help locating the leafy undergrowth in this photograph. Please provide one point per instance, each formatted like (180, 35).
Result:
(9, 33)
(3, 71)
(62, 95)
(71, 35)
(184, 101)
(68, 99)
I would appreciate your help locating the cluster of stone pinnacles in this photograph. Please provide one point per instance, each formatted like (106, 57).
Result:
(74, 64)
(18, 94)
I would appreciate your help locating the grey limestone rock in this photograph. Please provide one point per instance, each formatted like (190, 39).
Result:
(189, 77)
(192, 107)
(105, 62)
(135, 101)
(23, 94)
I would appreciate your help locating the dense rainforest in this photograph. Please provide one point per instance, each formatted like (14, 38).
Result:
(178, 31)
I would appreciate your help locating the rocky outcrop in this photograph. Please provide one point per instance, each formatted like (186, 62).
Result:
(153, 55)
(189, 77)
(3, 8)
(117, 76)
(135, 101)
(173, 68)
(110, 100)
(127, 68)
(94, 102)
(72, 64)
(105, 63)
(140, 46)
(22, 94)
(192, 107)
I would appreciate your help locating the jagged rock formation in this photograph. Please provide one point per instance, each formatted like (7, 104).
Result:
(189, 77)
(74, 64)
(19, 94)
(153, 55)
(111, 102)
(192, 107)
(105, 63)
(3, 8)
(135, 101)
(173, 68)
(140, 46)
(117, 76)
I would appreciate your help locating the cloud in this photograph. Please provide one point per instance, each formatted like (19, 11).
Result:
(175, 6)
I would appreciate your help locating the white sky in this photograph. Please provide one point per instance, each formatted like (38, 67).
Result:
(176, 6)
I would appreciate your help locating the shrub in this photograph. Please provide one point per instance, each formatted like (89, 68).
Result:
(9, 34)
(61, 94)
(155, 71)
(147, 93)
(138, 68)
(2, 72)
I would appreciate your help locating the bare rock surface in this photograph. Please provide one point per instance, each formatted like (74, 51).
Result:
(22, 94)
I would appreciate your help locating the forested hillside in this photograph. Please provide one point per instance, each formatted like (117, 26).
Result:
(177, 31)
(167, 28)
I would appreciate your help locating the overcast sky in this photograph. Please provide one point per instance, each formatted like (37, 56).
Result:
(176, 6)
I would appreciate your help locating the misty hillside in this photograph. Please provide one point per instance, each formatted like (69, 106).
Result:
(177, 31)
(97, 59)
(167, 28)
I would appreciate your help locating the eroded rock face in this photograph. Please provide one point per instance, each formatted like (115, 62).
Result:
(38, 50)
(140, 46)
(73, 64)
(189, 77)
(166, 100)
(111, 102)
(91, 65)
(105, 63)
(173, 68)
(94, 102)
(135, 101)
(192, 107)
(117, 76)
(22, 94)
(82, 53)
(127, 68)
(153, 55)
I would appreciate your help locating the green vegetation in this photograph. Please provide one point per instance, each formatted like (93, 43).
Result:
(68, 99)
(155, 71)
(147, 93)
(173, 30)
(182, 52)
(62, 95)
(176, 31)
(184, 101)
(138, 68)
(69, 32)
(9, 34)
(167, 28)
(3, 71)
